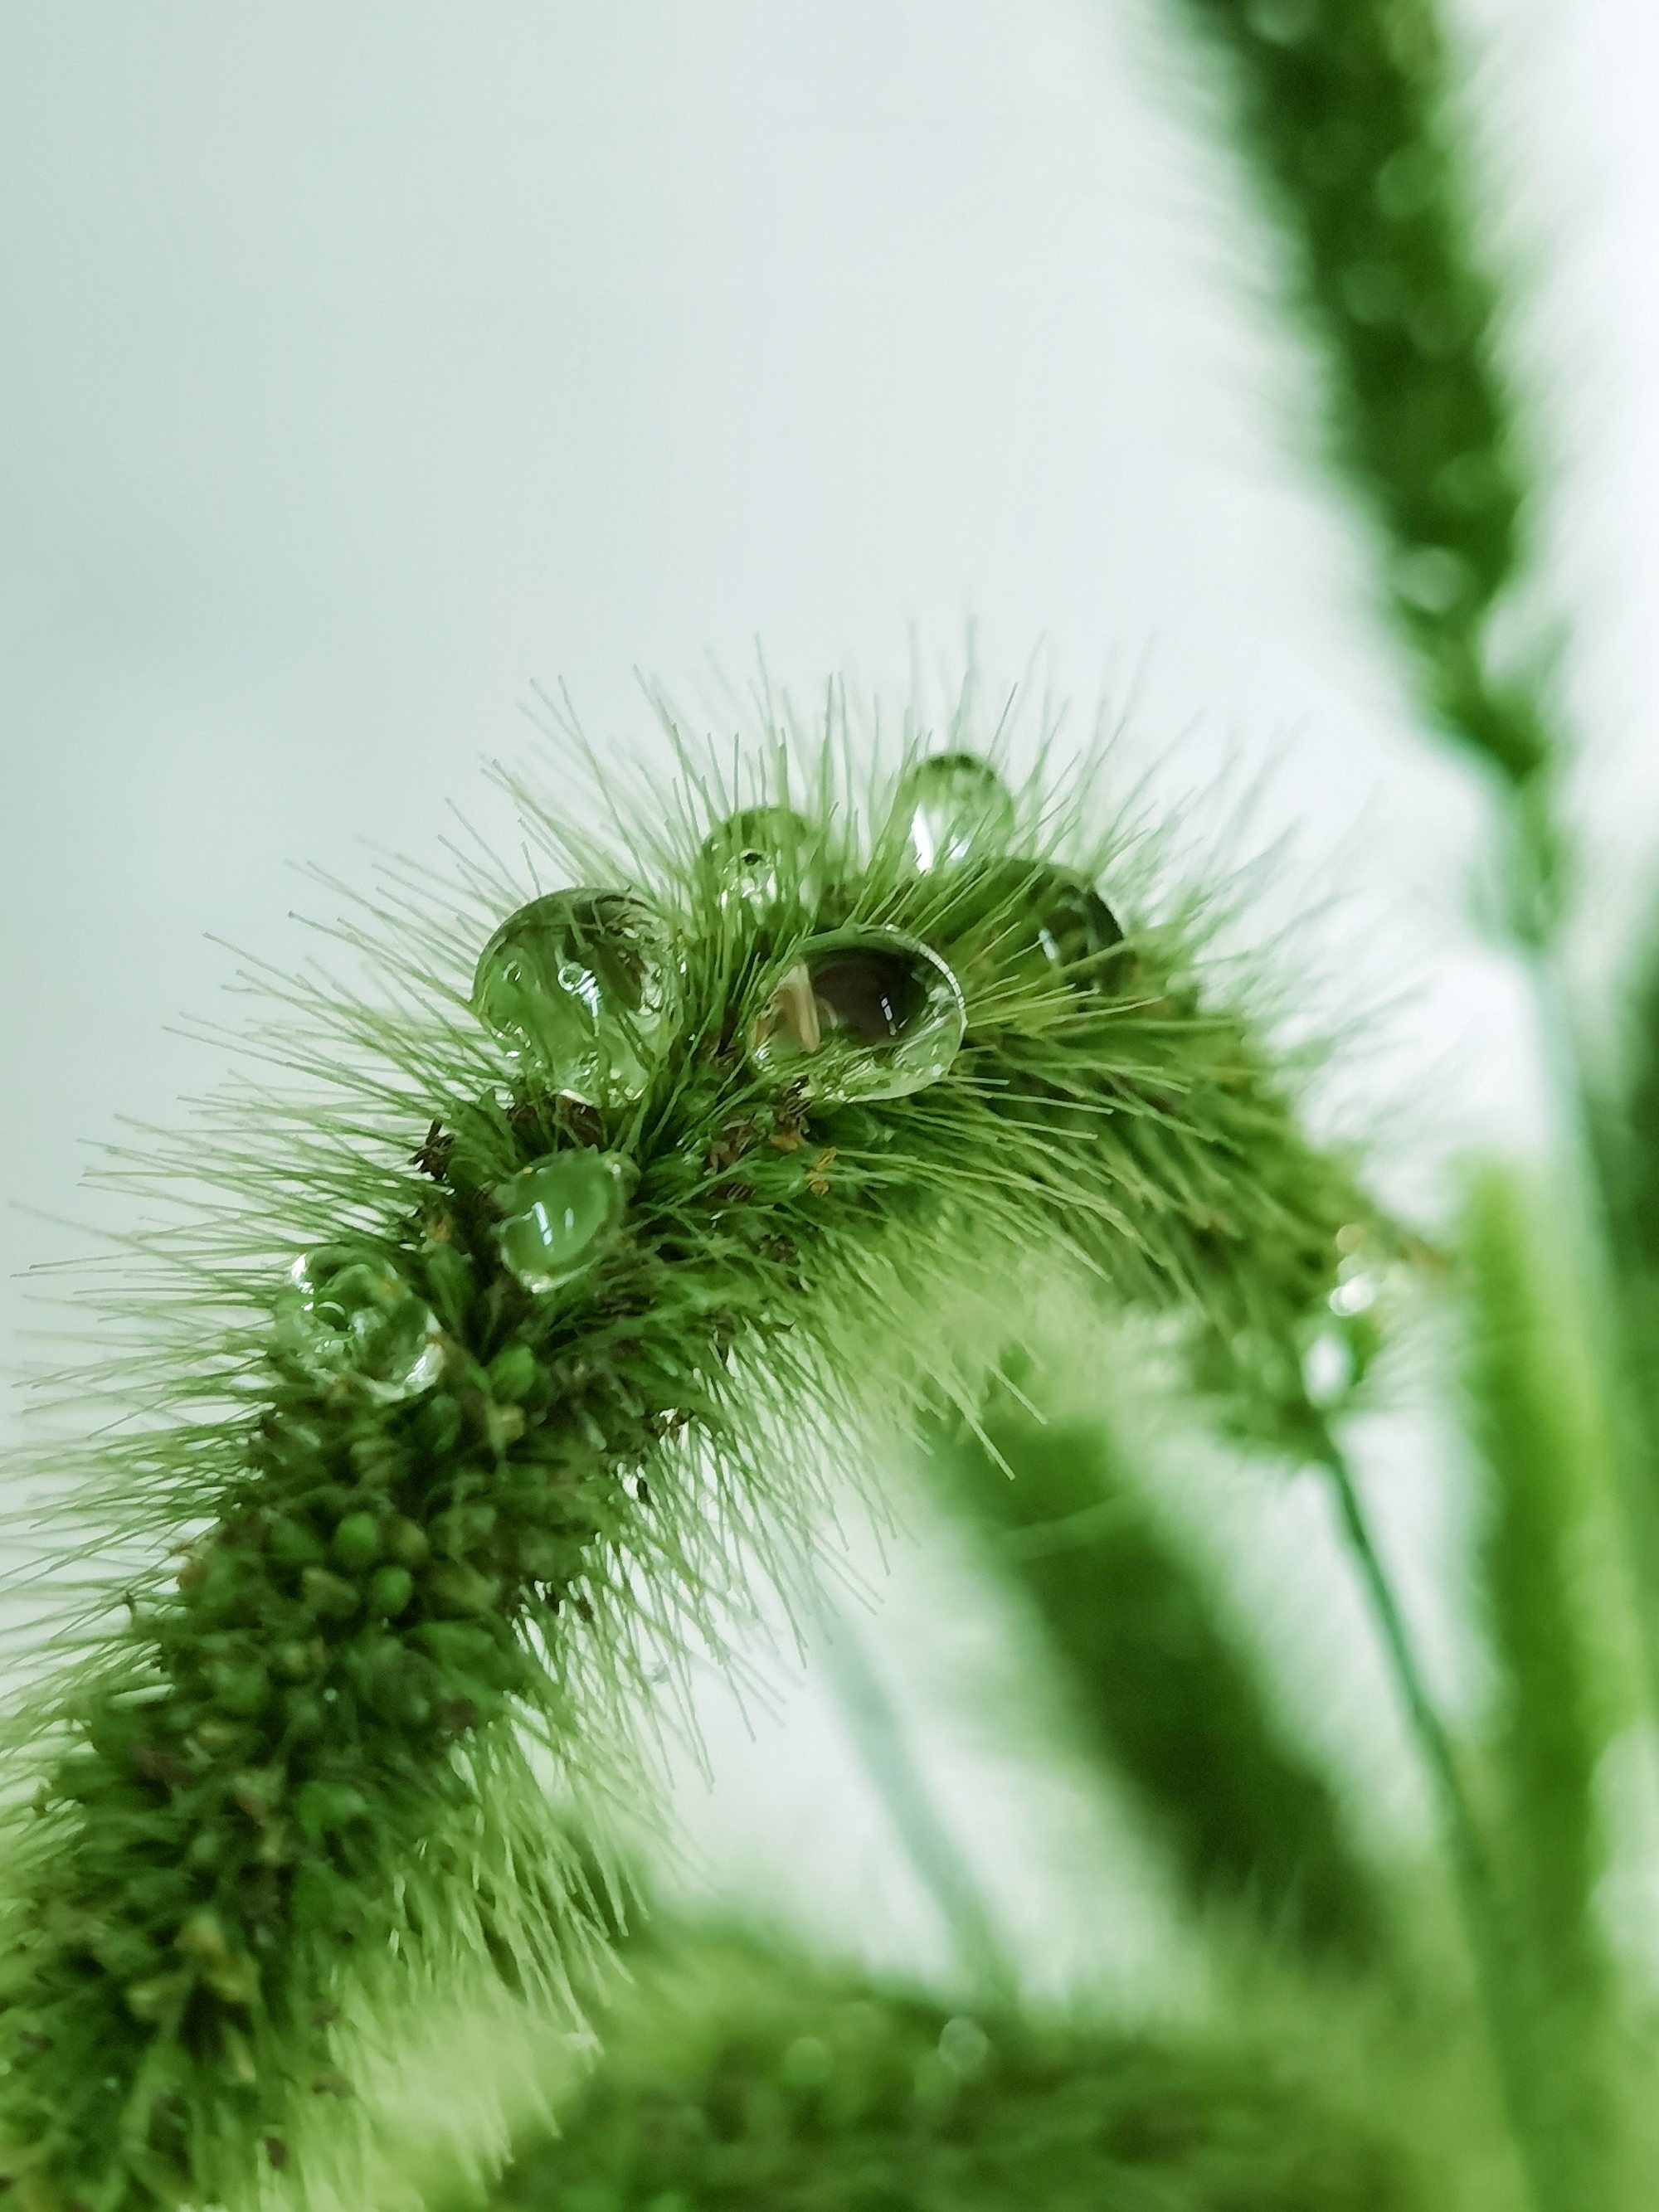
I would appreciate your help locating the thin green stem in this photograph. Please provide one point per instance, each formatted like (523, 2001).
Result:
(1632, 1411)
(1471, 1867)
(882, 1743)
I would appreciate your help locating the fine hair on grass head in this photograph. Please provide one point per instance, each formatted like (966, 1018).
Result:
(463, 1345)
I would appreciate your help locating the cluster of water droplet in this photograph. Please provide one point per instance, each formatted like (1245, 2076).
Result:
(1343, 1347)
(579, 987)
(1006, 924)
(348, 1319)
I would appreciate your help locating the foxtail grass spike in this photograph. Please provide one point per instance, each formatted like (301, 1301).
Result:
(1345, 110)
(487, 1321)
(735, 2079)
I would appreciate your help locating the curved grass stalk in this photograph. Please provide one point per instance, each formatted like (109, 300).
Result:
(463, 1354)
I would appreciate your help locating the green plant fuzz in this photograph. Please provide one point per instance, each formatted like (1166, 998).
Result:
(491, 1337)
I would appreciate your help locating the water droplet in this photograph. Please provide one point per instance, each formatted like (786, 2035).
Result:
(1281, 22)
(1433, 579)
(762, 859)
(1026, 921)
(561, 1214)
(964, 2046)
(955, 807)
(861, 1013)
(1329, 1369)
(348, 1315)
(576, 986)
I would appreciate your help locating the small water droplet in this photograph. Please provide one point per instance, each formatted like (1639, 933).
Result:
(348, 1314)
(860, 1014)
(762, 858)
(964, 2046)
(1281, 22)
(577, 987)
(1329, 1369)
(1027, 922)
(955, 807)
(561, 1214)
(1356, 1295)
(1432, 579)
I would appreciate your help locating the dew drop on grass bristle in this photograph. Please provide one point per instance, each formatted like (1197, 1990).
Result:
(955, 807)
(860, 1014)
(577, 988)
(348, 1315)
(763, 859)
(1028, 922)
(561, 1215)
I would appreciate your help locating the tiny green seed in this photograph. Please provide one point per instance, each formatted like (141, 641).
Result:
(406, 1540)
(295, 1545)
(357, 1541)
(160, 1997)
(437, 1426)
(458, 1589)
(390, 1589)
(328, 1594)
(323, 1807)
(243, 1690)
(462, 1529)
(514, 1374)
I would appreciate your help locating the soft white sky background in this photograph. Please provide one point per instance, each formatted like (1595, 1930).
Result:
(362, 364)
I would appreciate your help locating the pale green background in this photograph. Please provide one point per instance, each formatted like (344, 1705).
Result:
(361, 363)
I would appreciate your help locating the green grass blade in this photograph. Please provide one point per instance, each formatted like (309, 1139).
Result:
(1549, 1591)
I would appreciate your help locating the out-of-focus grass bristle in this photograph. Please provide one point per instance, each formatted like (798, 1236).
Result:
(739, 2081)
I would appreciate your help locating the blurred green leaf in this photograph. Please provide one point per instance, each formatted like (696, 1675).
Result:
(1160, 1684)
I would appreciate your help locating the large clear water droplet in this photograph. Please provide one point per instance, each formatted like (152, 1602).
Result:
(577, 987)
(860, 1014)
(764, 858)
(955, 807)
(348, 1315)
(561, 1214)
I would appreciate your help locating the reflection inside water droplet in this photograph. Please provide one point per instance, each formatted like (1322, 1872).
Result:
(1028, 923)
(860, 1014)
